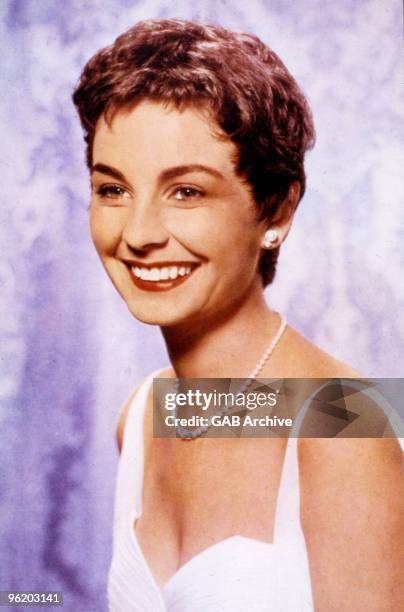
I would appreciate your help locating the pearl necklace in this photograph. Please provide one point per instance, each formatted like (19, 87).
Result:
(185, 434)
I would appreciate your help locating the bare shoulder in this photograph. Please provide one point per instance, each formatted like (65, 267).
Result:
(361, 469)
(352, 492)
(353, 457)
(123, 413)
(306, 360)
(360, 411)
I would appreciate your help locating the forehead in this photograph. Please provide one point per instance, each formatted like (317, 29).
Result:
(158, 135)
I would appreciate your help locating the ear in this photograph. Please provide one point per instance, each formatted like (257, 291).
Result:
(281, 223)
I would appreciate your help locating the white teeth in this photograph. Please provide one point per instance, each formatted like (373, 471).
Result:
(158, 274)
(154, 274)
(173, 272)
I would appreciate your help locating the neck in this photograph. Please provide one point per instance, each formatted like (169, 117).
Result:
(228, 346)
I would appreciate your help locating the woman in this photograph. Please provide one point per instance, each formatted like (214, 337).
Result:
(196, 139)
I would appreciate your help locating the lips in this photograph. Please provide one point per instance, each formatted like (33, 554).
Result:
(162, 276)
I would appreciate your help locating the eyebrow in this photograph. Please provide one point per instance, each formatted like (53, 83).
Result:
(110, 171)
(179, 170)
(164, 175)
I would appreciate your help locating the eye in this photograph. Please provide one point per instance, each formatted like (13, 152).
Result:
(112, 192)
(187, 193)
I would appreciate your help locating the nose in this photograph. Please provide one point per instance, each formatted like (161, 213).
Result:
(144, 228)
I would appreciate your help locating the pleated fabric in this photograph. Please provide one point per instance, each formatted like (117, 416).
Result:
(234, 575)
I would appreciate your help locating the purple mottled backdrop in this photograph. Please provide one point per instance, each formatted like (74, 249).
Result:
(70, 352)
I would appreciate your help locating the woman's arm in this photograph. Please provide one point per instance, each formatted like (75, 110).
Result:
(352, 517)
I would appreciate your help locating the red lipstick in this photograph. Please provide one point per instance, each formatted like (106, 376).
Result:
(162, 284)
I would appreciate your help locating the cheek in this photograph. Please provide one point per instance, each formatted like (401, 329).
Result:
(215, 231)
(106, 229)
(236, 244)
(235, 240)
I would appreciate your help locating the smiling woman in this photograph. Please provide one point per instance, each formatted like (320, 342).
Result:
(179, 211)
(196, 139)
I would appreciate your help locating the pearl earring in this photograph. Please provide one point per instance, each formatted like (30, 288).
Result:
(270, 237)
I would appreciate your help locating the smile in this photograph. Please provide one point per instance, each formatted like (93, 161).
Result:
(161, 277)
(159, 274)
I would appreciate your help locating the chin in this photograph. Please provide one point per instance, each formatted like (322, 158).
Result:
(163, 317)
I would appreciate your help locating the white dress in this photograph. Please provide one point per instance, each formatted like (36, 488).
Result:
(237, 574)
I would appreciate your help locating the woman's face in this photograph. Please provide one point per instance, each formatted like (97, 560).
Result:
(174, 226)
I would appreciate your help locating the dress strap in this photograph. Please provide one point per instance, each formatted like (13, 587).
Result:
(129, 482)
(287, 517)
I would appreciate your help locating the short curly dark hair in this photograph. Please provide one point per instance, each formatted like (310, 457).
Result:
(248, 90)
